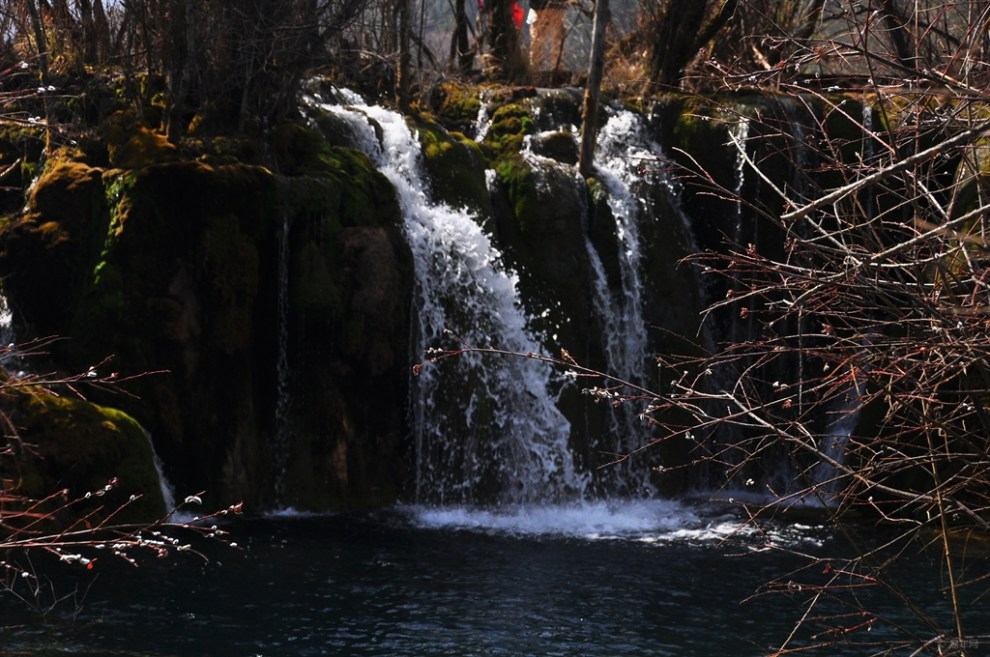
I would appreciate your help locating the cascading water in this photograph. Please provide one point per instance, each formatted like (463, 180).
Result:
(627, 166)
(6, 322)
(743, 232)
(487, 429)
(846, 410)
(620, 153)
(168, 492)
(482, 122)
(738, 135)
(281, 441)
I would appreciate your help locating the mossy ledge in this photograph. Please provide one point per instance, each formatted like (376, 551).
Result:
(168, 258)
(68, 444)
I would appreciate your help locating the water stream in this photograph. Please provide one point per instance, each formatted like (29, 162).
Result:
(281, 436)
(490, 430)
(657, 579)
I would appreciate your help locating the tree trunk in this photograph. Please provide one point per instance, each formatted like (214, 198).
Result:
(596, 67)
(39, 38)
(460, 48)
(678, 30)
(101, 32)
(85, 8)
(506, 59)
(402, 82)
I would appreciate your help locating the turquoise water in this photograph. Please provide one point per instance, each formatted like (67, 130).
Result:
(643, 579)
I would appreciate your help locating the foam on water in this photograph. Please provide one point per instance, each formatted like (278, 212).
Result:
(592, 520)
(289, 512)
(643, 521)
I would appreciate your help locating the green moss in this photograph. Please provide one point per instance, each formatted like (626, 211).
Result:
(131, 145)
(23, 144)
(81, 447)
(517, 177)
(366, 197)
(510, 123)
(299, 150)
(53, 246)
(559, 146)
(456, 168)
(457, 105)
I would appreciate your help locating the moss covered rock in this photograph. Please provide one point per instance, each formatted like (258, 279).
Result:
(456, 167)
(89, 451)
(457, 105)
(195, 271)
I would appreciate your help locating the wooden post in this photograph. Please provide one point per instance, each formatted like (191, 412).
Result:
(589, 113)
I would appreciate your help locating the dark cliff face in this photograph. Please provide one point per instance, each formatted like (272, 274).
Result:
(171, 266)
(271, 306)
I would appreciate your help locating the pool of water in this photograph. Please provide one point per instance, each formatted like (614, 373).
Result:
(637, 579)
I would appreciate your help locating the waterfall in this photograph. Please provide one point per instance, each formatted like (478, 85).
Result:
(486, 429)
(840, 424)
(868, 154)
(622, 149)
(280, 444)
(620, 155)
(845, 412)
(738, 135)
(6, 322)
(482, 122)
(164, 485)
(8, 339)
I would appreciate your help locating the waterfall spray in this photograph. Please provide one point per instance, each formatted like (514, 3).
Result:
(486, 430)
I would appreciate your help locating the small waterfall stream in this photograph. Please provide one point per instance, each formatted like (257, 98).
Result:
(6, 322)
(281, 437)
(619, 156)
(167, 490)
(622, 149)
(738, 135)
(489, 430)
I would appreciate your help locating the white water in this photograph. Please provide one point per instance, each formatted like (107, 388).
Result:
(643, 521)
(869, 155)
(482, 122)
(586, 520)
(281, 438)
(620, 154)
(623, 153)
(487, 428)
(167, 491)
(6, 322)
(739, 134)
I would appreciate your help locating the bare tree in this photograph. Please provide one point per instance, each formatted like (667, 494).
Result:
(676, 31)
(589, 124)
(860, 277)
(506, 60)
